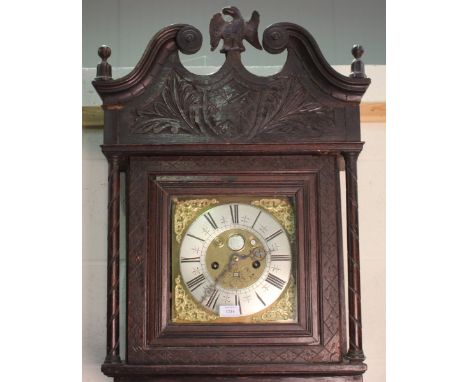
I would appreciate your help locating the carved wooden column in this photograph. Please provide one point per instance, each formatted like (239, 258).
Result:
(355, 352)
(113, 209)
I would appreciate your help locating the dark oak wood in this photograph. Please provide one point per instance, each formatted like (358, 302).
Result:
(232, 33)
(175, 134)
(308, 178)
(355, 352)
(255, 372)
(93, 116)
(113, 222)
(104, 69)
(357, 66)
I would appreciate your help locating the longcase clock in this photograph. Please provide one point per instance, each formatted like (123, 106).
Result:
(234, 262)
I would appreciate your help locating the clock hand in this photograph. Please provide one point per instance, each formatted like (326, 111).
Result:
(226, 269)
(233, 259)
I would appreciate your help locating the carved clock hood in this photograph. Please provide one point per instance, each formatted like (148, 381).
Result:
(176, 134)
(160, 102)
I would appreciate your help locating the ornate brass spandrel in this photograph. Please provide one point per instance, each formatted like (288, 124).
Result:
(283, 309)
(282, 210)
(186, 210)
(186, 309)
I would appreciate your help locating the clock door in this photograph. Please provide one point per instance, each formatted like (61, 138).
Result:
(234, 252)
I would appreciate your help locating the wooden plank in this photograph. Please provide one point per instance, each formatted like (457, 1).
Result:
(373, 112)
(93, 116)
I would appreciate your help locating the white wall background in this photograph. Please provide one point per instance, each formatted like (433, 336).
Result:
(371, 175)
(127, 25)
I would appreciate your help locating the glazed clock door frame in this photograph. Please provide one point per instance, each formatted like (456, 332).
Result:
(313, 183)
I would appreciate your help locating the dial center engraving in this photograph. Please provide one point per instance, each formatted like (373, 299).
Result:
(234, 260)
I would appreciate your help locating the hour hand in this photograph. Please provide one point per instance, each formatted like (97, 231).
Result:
(232, 261)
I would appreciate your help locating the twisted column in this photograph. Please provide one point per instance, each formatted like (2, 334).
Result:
(355, 352)
(113, 211)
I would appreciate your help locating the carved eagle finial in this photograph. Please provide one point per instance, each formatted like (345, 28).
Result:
(235, 31)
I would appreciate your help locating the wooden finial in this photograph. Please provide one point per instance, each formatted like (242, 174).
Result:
(357, 66)
(104, 69)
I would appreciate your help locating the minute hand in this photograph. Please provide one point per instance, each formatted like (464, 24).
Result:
(226, 269)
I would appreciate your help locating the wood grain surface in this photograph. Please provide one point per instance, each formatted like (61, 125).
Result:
(93, 116)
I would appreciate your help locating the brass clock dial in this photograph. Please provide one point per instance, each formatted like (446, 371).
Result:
(235, 259)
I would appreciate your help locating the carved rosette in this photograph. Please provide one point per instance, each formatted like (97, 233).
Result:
(186, 210)
(283, 309)
(233, 109)
(189, 40)
(275, 39)
(281, 210)
(186, 309)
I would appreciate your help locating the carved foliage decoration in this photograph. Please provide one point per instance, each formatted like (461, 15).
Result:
(233, 109)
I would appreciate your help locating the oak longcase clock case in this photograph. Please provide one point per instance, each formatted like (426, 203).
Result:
(234, 261)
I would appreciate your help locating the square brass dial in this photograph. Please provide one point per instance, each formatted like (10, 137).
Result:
(233, 259)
